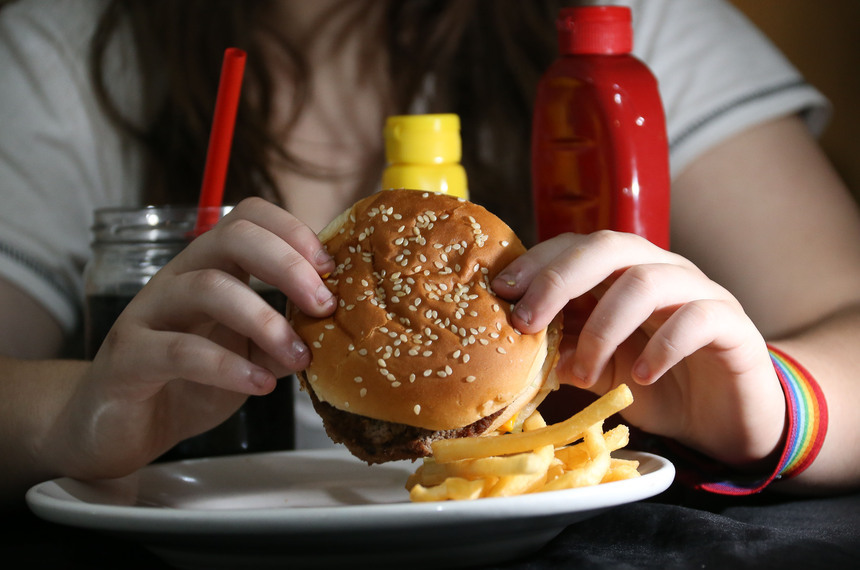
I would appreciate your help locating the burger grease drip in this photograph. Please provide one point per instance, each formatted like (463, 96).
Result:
(416, 312)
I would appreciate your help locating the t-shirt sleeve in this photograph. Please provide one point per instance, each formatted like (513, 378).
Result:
(59, 156)
(718, 74)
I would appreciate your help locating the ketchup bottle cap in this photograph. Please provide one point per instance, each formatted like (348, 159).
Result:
(595, 30)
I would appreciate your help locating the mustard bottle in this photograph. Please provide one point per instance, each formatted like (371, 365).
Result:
(423, 153)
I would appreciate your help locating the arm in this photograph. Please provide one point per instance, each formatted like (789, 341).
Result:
(800, 283)
(179, 360)
(29, 331)
(768, 247)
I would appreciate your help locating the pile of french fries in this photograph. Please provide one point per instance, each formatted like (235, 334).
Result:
(573, 453)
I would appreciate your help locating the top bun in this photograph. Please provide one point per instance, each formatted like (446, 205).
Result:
(418, 336)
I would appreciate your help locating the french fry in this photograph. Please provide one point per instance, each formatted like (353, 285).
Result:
(511, 485)
(574, 455)
(559, 434)
(621, 469)
(617, 437)
(510, 465)
(453, 489)
(416, 478)
(540, 458)
(590, 472)
(534, 421)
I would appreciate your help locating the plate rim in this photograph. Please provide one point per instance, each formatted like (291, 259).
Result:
(186, 521)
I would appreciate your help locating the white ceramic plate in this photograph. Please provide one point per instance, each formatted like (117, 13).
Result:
(322, 509)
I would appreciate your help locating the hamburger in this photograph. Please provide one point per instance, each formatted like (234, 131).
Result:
(419, 347)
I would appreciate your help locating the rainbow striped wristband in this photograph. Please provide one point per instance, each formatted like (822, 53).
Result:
(806, 409)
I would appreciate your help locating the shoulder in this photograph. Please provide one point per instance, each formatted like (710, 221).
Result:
(60, 155)
(47, 83)
(718, 73)
(38, 24)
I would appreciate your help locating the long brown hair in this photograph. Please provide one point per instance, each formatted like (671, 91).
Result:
(486, 57)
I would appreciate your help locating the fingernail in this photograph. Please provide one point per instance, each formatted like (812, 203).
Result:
(322, 258)
(641, 371)
(298, 351)
(323, 295)
(506, 279)
(260, 378)
(579, 376)
(523, 313)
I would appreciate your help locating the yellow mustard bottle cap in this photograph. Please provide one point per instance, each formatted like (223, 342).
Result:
(423, 139)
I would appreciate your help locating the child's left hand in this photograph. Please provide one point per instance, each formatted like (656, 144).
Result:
(700, 369)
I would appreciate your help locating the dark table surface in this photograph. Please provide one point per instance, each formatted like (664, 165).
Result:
(677, 529)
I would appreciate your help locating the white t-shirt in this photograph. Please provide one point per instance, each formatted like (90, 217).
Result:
(60, 158)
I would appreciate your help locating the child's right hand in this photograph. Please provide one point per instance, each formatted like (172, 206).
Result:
(195, 342)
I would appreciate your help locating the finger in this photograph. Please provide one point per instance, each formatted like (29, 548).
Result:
(719, 324)
(226, 300)
(243, 247)
(638, 295)
(158, 357)
(288, 228)
(514, 279)
(581, 263)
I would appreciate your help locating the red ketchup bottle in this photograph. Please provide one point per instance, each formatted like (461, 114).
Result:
(599, 149)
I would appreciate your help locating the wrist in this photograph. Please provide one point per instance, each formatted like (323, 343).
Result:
(805, 428)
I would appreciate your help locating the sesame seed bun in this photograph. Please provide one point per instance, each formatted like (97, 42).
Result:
(418, 337)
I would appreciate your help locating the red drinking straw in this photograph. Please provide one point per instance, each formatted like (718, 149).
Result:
(220, 139)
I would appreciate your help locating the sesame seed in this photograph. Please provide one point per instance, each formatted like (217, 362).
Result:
(470, 379)
(357, 379)
(417, 409)
(363, 392)
(501, 350)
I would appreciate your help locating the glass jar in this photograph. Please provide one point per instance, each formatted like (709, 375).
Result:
(129, 246)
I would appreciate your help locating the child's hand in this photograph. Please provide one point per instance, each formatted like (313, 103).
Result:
(700, 369)
(197, 340)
